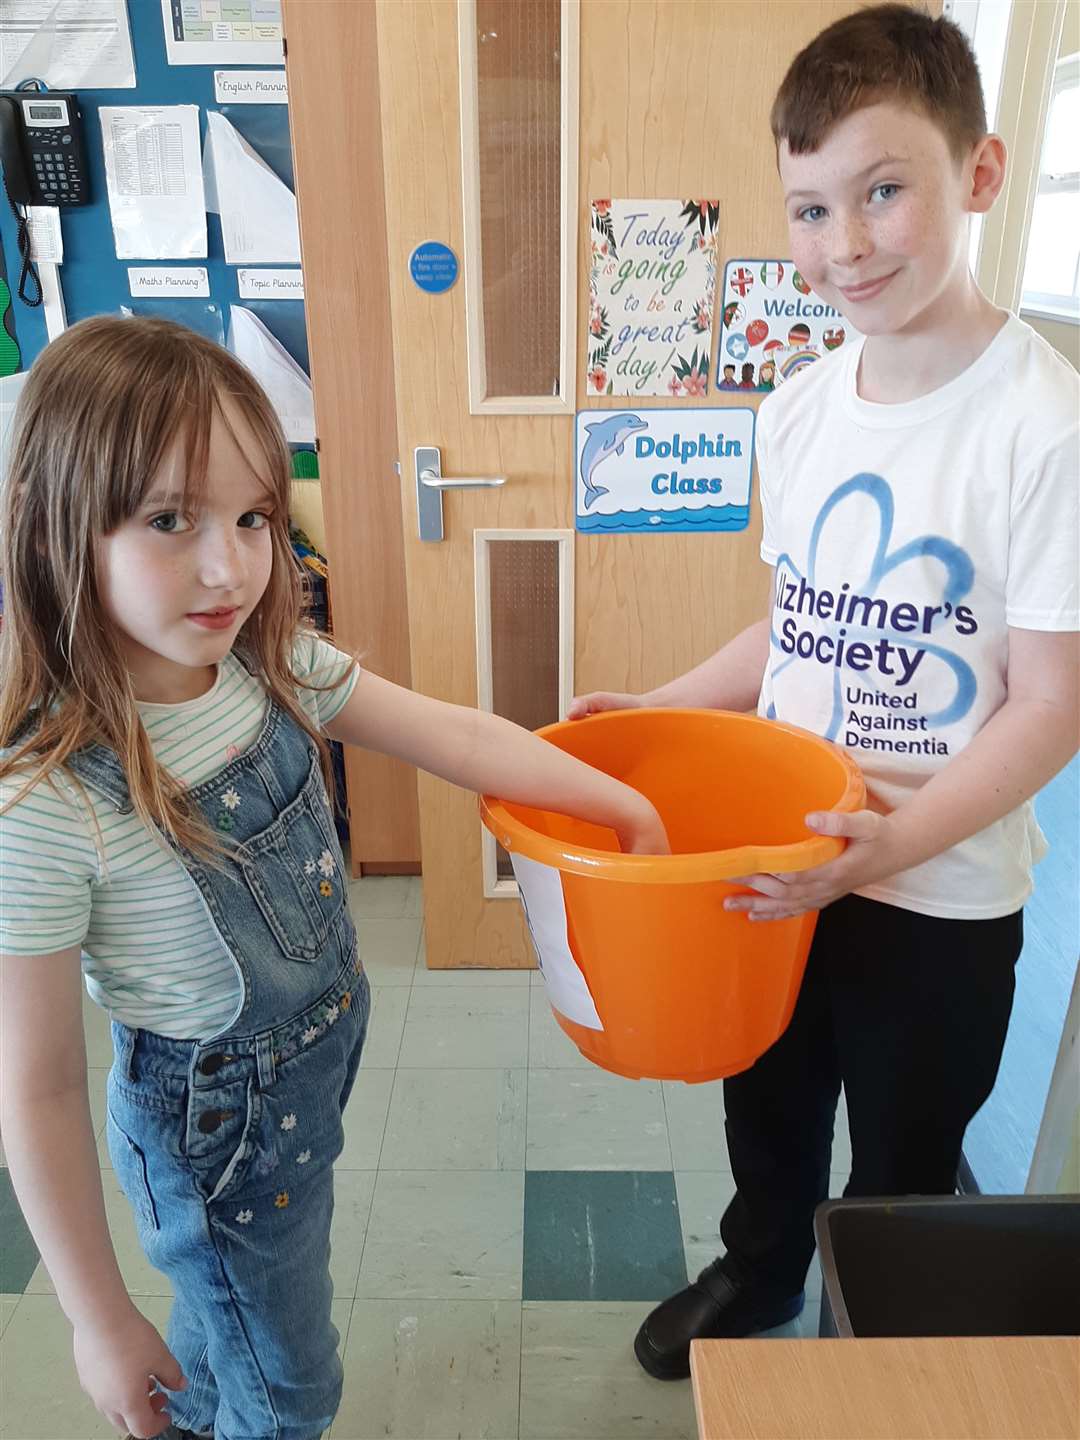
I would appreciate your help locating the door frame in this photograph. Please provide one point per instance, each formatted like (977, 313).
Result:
(333, 49)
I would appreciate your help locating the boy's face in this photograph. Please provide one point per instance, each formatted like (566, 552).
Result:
(878, 217)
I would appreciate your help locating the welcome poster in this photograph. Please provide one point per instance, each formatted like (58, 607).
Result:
(773, 326)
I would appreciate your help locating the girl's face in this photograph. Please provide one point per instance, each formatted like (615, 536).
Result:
(178, 585)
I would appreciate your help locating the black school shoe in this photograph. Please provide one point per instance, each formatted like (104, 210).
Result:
(716, 1306)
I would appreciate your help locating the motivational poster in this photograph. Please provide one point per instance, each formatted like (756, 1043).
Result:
(652, 285)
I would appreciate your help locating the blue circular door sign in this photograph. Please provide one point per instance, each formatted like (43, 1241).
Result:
(433, 266)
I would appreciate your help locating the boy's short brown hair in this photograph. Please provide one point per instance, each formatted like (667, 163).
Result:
(886, 52)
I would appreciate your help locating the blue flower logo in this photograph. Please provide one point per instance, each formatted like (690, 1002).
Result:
(957, 575)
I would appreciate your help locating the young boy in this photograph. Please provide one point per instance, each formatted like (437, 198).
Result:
(919, 493)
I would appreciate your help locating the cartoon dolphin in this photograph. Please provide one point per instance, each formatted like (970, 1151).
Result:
(606, 438)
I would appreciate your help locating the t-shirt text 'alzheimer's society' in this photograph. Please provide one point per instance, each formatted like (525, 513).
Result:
(884, 639)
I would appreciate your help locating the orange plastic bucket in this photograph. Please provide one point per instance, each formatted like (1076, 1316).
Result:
(682, 988)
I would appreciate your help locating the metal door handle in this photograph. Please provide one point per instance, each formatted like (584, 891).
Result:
(434, 481)
(430, 483)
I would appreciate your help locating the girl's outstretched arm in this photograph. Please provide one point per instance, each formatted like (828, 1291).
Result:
(49, 1143)
(485, 753)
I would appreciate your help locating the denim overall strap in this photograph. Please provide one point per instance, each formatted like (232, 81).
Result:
(99, 769)
(277, 896)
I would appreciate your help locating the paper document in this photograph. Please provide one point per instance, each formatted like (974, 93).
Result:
(69, 44)
(46, 237)
(545, 910)
(287, 386)
(258, 211)
(222, 32)
(154, 174)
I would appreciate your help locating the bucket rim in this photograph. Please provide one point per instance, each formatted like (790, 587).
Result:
(700, 867)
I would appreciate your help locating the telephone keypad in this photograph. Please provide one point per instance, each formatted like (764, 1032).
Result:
(57, 172)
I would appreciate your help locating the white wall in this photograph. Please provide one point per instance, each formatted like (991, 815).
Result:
(1063, 335)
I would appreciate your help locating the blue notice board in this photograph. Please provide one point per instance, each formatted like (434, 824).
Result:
(93, 280)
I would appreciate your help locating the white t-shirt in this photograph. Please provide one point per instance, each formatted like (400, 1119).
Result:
(150, 955)
(906, 539)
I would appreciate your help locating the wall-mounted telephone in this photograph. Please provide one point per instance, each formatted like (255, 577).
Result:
(41, 148)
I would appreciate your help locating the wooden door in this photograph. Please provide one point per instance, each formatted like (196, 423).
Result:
(670, 99)
(674, 101)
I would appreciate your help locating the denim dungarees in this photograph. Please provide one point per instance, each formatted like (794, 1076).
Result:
(225, 1147)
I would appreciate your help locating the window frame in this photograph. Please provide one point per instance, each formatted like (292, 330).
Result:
(1048, 304)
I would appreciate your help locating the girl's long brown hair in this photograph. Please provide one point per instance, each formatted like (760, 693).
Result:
(99, 411)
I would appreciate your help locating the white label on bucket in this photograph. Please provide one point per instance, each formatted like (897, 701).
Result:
(545, 911)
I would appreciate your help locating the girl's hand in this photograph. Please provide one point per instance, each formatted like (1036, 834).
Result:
(118, 1362)
(643, 833)
(870, 856)
(601, 700)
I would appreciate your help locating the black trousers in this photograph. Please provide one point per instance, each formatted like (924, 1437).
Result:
(909, 1014)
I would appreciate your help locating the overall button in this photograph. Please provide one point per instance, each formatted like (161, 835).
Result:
(211, 1064)
(209, 1122)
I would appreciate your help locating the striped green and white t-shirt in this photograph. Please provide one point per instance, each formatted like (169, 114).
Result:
(150, 954)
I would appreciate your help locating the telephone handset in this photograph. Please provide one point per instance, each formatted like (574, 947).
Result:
(41, 148)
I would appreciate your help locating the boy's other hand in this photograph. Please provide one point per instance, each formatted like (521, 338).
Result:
(870, 856)
(601, 700)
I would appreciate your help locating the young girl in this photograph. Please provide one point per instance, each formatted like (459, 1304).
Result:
(166, 829)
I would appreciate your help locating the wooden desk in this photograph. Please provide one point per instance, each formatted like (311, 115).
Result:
(947, 1389)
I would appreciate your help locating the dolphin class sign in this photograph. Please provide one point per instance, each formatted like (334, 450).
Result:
(671, 471)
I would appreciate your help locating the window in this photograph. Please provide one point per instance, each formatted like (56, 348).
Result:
(519, 102)
(1052, 270)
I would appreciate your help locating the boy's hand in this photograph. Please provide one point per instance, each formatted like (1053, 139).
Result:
(601, 700)
(870, 856)
(116, 1362)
